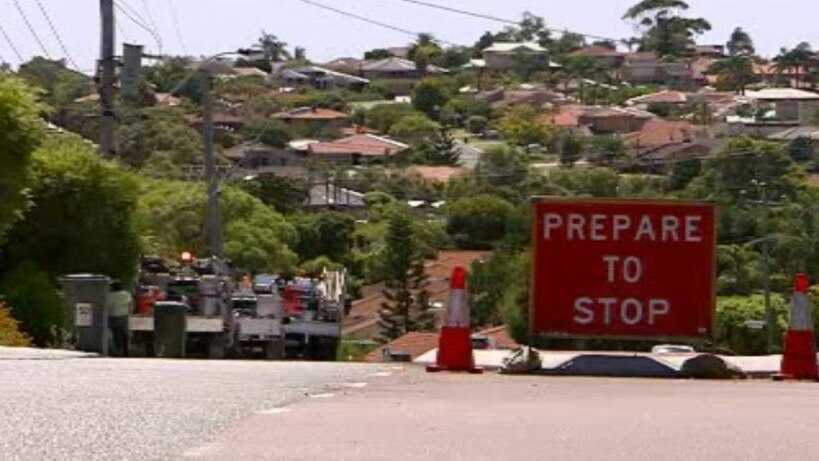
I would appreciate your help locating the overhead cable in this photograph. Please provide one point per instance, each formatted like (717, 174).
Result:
(11, 43)
(31, 29)
(57, 36)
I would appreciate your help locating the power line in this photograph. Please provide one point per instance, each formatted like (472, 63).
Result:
(30, 28)
(177, 29)
(496, 18)
(11, 44)
(370, 21)
(57, 36)
(135, 17)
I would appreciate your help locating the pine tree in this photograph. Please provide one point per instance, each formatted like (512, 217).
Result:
(443, 149)
(407, 307)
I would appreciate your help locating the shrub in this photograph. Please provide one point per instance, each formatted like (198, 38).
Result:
(477, 124)
(10, 334)
(36, 302)
(477, 222)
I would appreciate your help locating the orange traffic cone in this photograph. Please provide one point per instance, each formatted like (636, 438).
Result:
(799, 357)
(455, 343)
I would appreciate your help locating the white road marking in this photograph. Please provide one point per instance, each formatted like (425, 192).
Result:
(325, 395)
(355, 385)
(274, 411)
(204, 450)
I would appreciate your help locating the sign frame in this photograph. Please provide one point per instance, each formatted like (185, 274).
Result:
(539, 200)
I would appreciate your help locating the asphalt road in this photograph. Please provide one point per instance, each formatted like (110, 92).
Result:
(146, 409)
(414, 416)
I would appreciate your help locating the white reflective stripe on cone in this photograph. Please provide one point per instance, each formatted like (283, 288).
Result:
(801, 318)
(458, 309)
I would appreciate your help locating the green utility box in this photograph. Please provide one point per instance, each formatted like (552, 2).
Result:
(86, 315)
(170, 329)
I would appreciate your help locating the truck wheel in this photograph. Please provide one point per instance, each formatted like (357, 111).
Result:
(274, 350)
(216, 348)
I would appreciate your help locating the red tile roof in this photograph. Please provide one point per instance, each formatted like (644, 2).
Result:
(598, 52)
(435, 173)
(660, 132)
(310, 113)
(363, 144)
(413, 343)
(499, 337)
(661, 97)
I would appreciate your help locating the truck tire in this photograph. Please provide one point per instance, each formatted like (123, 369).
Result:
(217, 348)
(274, 349)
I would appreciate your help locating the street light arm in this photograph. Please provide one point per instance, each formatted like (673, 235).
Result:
(208, 60)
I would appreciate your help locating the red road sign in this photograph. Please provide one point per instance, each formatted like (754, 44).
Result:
(623, 268)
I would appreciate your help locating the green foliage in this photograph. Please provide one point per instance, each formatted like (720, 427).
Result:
(665, 31)
(377, 53)
(477, 124)
(606, 149)
(514, 305)
(740, 43)
(430, 95)
(383, 116)
(286, 195)
(802, 149)
(571, 150)
(159, 131)
(733, 74)
(274, 50)
(266, 131)
(172, 215)
(441, 149)
(462, 108)
(35, 301)
(415, 129)
(81, 217)
(488, 281)
(520, 126)
(166, 75)
(60, 85)
(20, 132)
(408, 307)
(662, 109)
(327, 234)
(594, 182)
(734, 311)
(316, 266)
(683, 172)
(477, 222)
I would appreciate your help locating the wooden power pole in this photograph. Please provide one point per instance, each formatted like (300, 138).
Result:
(107, 75)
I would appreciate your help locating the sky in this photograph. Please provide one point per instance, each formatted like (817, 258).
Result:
(211, 26)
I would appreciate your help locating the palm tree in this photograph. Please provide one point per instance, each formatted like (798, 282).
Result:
(799, 61)
(734, 73)
(274, 49)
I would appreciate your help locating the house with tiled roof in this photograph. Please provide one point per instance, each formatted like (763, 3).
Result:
(362, 321)
(660, 97)
(516, 55)
(662, 141)
(598, 119)
(605, 56)
(320, 78)
(357, 149)
(645, 68)
(302, 116)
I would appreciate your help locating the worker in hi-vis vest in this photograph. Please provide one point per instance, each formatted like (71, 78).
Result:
(119, 303)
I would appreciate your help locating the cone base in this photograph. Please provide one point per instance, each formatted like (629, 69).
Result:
(454, 351)
(799, 357)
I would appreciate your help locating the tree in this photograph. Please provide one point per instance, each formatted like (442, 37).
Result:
(407, 307)
(459, 108)
(415, 129)
(665, 30)
(284, 194)
(273, 49)
(81, 217)
(740, 43)
(520, 126)
(35, 301)
(60, 84)
(171, 219)
(159, 131)
(424, 51)
(377, 53)
(266, 131)
(442, 149)
(606, 149)
(798, 60)
(383, 116)
(20, 133)
(476, 223)
(300, 54)
(477, 124)
(571, 150)
(327, 234)
(733, 74)
(429, 96)
(802, 149)
(567, 43)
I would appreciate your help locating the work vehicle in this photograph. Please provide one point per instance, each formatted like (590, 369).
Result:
(314, 309)
(204, 286)
(258, 325)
